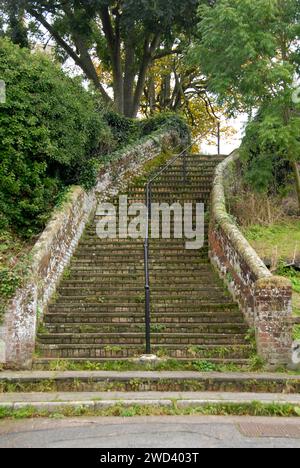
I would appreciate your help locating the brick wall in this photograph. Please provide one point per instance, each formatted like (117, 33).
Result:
(266, 300)
(56, 246)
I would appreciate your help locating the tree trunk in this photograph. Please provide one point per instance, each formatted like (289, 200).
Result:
(152, 97)
(129, 75)
(118, 68)
(297, 180)
(147, 58)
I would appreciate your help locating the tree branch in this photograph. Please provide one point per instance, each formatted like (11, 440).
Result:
(167, 53)
(82, 62)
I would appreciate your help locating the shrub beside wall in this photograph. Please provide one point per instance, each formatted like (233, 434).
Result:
(51, 131)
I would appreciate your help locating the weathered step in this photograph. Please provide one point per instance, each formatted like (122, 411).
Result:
(180, 309)
(135, 318)
(117, 351)
(96, 244)
(162, 300)
(132, 263)
(142, 381)
(81, 279)
(175, 254)
(157, 289)
(139, 339)
(75, 328)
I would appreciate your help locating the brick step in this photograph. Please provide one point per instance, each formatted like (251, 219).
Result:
(174, 188)
(179, 309)
(119, 278)
(139, 339)
(89, 277)
(125, 283)
(91, 237)
(146, 381)
(100, 251)
(67, 314)
(132, 289)
(110, 262)
(204, 175)
(171, 186)
(160, 298)
(75, 328)
(177, 245)
(117, 351)
(176, 270)
(128, 244)
(131, 262)
(157, 271)
(171, 200)
(115, 320)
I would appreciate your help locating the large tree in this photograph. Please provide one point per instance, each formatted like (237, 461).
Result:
(173, 85)
(250, 53)
(122, 36)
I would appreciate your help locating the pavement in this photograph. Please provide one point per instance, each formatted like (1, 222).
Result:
(53, 402)
(176, 432)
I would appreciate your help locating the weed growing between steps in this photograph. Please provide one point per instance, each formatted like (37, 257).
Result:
(121, 410)
(144, 384)
(255, 364)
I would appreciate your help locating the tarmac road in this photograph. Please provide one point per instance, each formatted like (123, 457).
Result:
(152, 432)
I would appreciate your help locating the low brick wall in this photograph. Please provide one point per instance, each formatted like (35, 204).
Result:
(55, 247)
(266, 300)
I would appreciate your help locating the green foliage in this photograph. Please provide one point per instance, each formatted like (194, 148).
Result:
(292, 274)
(240, 41)
(122, 38)
(166, 120)
(250, 53)
(51, 131)
(125, 130)
(265, 164)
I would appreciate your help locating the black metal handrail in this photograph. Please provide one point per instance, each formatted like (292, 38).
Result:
(148, 197)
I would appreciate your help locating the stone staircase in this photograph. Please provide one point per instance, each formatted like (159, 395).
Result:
(98, 312)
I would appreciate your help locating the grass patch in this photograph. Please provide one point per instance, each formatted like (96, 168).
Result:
(281, 240)
(120, 410)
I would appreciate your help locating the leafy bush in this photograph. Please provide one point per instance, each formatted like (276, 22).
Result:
(127, 130)
(124, 130)
(166, 120)
(51, 131)
(265, 166)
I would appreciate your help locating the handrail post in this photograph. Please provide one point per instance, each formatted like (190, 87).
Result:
(219, 138)
(147, 274)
